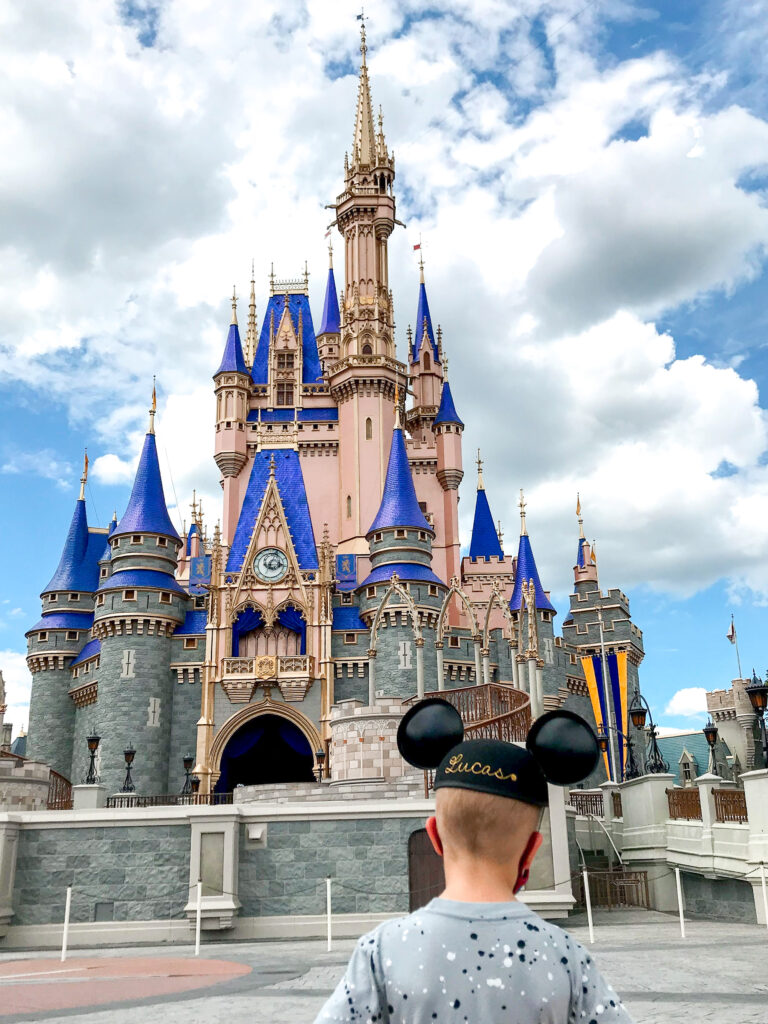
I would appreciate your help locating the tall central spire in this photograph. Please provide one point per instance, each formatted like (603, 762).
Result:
(364, 141)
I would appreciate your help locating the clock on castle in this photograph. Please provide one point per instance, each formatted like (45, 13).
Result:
(336, 589)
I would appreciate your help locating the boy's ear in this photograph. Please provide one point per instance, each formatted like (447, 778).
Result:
(434, 835)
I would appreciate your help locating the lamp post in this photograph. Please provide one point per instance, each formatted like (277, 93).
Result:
(320, 758)
(91, 778)
(758, 695)
(128, 787)
(639, 709)
(631, 770)
(710, 732)
(194, 788)
(188, 761)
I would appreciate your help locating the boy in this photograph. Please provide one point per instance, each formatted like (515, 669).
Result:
(476, 954)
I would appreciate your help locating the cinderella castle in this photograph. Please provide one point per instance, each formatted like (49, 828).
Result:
(283, 645)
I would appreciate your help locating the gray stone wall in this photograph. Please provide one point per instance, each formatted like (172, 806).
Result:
(185, 713)
(129, 712)
(143, 870)
(367, 860)
(51, 719)
(718, 899)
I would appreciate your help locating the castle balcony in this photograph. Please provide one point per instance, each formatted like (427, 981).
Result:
(291, 673)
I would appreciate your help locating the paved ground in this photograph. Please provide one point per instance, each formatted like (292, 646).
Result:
(715, 976)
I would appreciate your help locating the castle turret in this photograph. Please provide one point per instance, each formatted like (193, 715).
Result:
(139, 604)
(364, 377)
(57, 639)
(425, 357)
(232, 383)
(329, 337)
(485, 541)
(585, 569)
(448, 429)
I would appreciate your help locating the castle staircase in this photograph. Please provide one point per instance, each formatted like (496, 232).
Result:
(489, 711)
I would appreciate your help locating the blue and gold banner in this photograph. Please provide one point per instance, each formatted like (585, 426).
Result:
(593, 673)
(199, 574)
(617, 670)
(346, 572)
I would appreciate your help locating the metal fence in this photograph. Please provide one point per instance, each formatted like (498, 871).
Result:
(684, 804)
(587, 803)
(169, 800)
(730, 805)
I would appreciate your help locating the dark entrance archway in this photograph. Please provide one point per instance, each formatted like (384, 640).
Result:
(266, 749)
(426, 877)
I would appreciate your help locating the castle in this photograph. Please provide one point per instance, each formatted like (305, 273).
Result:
(283, 644)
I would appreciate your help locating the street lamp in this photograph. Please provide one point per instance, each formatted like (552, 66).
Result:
(758, 695)
(194, 785)
(187, 761)
(710, 732)
(320, 758)
(631, 771)
(91, 778)
(128, 787)
(639, 710)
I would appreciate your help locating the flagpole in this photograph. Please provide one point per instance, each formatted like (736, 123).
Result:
(736, 644)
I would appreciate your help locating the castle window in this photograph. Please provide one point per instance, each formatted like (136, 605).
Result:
(349, 507)
(103, 572)
(199, 602)
(162, 542)
(86, 669)
(368, 429)
(129, 595)
(687, 773)
(315, 426)
(400, 533)
(114, 543)
(546, 616)
(370, 592)
(350, 638)
(136, 539)
(72, 634)
(378, 536)
(53, 598)
(74, 597)
(427, 362)
(190, 643)
(99, 600)
(285, 360)
(346, 599)
(284, 394)
(432, 590)
(573, 659)
(422, 535)
(367, 350)
(165, 598)
(42, 636)
(454, 641)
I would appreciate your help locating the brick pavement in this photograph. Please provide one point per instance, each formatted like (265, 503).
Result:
(716, 976)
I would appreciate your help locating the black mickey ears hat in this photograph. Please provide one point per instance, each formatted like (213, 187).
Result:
(561, 748)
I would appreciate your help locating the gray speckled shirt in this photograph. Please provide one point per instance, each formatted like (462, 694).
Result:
(479, 963)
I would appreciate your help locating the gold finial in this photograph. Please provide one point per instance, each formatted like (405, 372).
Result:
(381, 121)
(361, 19)
(234, 305)
(153, 410)
(271, 278)
(480, 484)
(306, 277)
(593, 556)
(253, 272)
(272, 467)
(421, 269)
(84, 477)
(578, 514)
(500, 534)
(330, 255)
(522, 507)
(445, 367)
(398, 424)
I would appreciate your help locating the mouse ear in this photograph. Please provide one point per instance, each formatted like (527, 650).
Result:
(564, 746)
(428, 731)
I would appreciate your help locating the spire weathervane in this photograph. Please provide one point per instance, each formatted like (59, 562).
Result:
(234, 305)
(153, 410)
(578, 515)
(480, 484)
(522, 507)
(84, 477)
(398, 424)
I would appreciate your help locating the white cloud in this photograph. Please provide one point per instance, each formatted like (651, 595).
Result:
(44, 463)
(688, 702)
(552, 240)
(18, 685)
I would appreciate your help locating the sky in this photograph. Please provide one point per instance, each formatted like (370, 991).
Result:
(589, 183)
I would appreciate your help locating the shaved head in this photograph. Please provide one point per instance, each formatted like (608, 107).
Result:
(479, 825)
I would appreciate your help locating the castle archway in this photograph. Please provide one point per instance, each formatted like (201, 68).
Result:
(264, 744)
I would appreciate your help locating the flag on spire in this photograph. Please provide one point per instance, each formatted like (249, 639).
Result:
(731, 634)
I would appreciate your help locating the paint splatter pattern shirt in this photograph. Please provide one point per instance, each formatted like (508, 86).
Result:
(472, 963)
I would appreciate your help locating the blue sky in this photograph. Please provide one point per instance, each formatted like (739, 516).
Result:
(589, 181)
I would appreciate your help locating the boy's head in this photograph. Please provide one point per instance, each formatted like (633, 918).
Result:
(484, 827)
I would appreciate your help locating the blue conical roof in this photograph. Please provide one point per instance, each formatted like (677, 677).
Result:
(147, 511)
(580, 554)
(422, 314)
(73, 572)
(399, 505)
(446, 412)
(331, 321)
(485, 541)
(107, 552)
(232, 361)
(526, 570)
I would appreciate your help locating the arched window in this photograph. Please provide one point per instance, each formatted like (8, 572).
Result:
(349, 507)
(367, 350)
(368, 429)
(427, 362)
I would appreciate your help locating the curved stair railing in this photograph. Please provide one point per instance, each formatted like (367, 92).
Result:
(489, 711)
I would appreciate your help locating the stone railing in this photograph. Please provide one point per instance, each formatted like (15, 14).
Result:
(730, 805)
(617, 808)
(489, 711)
(287, 664)
(684, 803)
